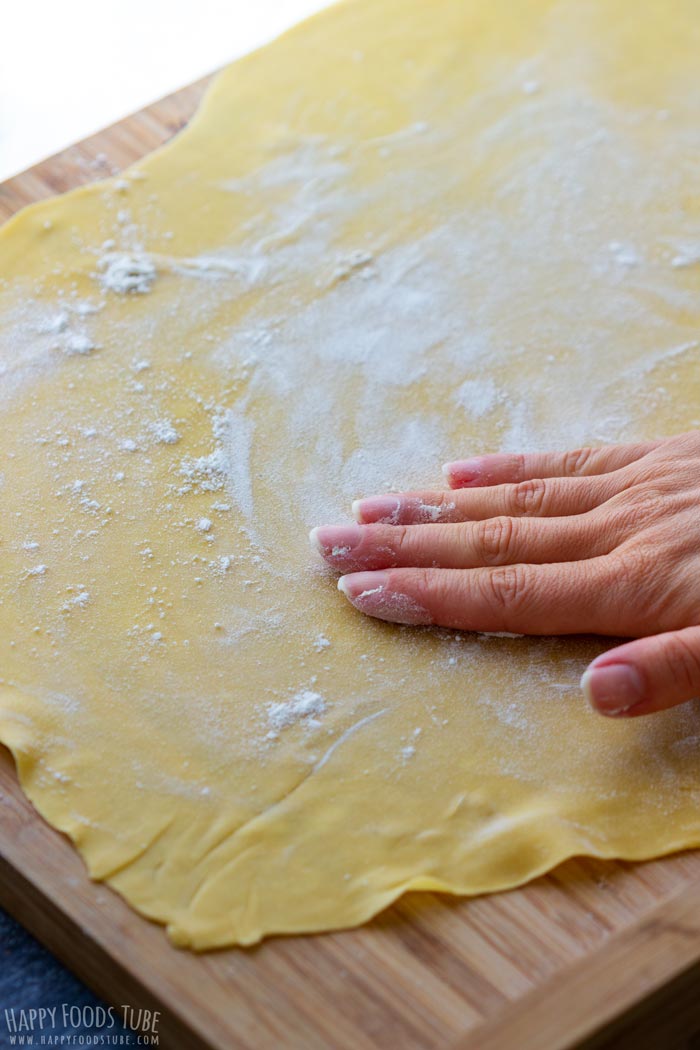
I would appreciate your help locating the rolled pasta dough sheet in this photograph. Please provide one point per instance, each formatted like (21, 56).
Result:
(402, 233)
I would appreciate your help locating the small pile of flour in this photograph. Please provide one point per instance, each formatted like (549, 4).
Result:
(688, 255)
(126, 273)
(164, 432)
(358, 261)
(624, 254)
(38, 570)
(67, 339)
(228, 465)
(78, 343)
(204, 473)
(80, 601)
(305, 705)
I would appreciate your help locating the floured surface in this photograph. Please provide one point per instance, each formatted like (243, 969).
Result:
(468, 240)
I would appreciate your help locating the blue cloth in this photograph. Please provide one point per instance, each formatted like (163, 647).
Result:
(32, 979)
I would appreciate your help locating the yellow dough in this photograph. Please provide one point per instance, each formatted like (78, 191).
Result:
(407, 231)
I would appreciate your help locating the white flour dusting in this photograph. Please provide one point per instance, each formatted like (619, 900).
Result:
(78, 601)
(204, 473)
(37, 570)
(54, 324)
(135, 271)
(250, 270)
(479, 396)
(164, 432)
(78, 343)
(360, 261)
(234, 429)
(306, 706)
(126, 273)
(688, 255)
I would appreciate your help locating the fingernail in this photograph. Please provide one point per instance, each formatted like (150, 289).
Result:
(372, 594)
(464, 472)
(613, 690)
(335, 541)
(382, 510)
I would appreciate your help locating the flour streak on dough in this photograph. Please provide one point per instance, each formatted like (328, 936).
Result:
(481, 234)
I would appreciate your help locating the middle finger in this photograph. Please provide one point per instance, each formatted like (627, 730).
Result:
(493, 541)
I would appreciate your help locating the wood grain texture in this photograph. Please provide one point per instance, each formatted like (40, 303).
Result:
(595, 954)
(103, 154)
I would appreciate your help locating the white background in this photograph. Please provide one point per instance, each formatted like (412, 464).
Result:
(69, 67)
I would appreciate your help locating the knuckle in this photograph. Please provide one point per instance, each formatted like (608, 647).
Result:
(446, 505)
(682, 661)
(640, 503)
(494, 539)
(578, 460)
(622, 516)
(507, 587)
(431, 585)
(399, 538)
(641, 581)
(621, 601)
(655, 504)
(528, 497)
(632, 567)
(519, 464)
(438, 507)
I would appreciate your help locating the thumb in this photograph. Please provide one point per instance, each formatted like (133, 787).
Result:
(649, 674)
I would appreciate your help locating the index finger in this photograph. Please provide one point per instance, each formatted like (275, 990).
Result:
(564, 598)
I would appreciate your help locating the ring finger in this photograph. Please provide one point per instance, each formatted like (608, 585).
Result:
(535, 497)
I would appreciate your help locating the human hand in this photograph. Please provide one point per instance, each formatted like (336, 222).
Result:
(603, 541)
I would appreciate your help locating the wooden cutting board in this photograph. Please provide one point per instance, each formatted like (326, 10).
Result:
(595, 954)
